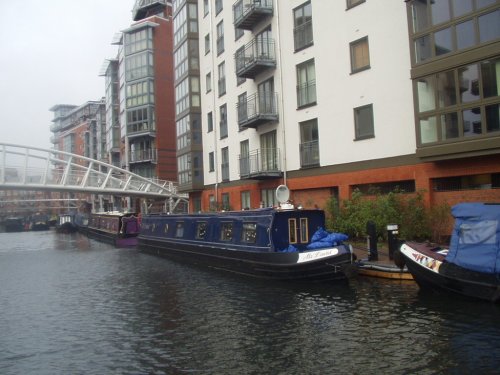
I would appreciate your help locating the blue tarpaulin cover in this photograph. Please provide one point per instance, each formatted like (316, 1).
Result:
(475, 240)
(323, 239)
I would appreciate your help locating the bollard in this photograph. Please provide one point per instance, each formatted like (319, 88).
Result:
(372, 240)
(392, 239)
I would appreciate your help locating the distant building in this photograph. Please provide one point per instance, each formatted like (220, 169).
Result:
(332, 96)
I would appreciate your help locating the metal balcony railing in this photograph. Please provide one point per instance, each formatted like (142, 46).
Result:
(142, 156)
(309, 154)
(257, 109)
(255, 57)
(260, 164)
(247, 13)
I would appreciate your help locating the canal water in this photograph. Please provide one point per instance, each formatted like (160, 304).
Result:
(70, 305)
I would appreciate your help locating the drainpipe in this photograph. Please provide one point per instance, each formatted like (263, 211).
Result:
(281, 109)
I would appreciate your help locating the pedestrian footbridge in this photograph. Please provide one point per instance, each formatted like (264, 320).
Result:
(34, 169)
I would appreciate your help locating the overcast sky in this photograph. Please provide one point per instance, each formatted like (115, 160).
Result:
(51, 52)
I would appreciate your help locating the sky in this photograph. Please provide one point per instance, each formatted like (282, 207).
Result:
(51, 52)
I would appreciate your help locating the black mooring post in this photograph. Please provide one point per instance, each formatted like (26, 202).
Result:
(392, 239)
(371, 229)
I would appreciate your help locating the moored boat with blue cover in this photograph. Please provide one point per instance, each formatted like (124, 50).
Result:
(471, 264)
(269, 243)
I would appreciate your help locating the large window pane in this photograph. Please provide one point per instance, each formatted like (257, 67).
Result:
(428, 130)
(360, 55)
(461, 7)
(469, 83)
(493, 118)
(447, 94)
(489, 26)
(425, 90)
(465, 34)
(423, 48)
(419, 10)
(443, 42)
(484, 3)
(472, 121)
(449, 126)
(440, 12)
(363, 119)
(490, 72)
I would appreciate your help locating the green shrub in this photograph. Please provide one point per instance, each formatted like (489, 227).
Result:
(407, 210)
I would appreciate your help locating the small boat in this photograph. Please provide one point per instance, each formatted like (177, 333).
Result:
(66, 224)
(270, 243)
(117, 228)
(471, 264)
(39, 222)
(385, 270)
(14, 224)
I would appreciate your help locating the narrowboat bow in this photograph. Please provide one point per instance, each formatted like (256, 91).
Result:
(269, 243)
(471, 264)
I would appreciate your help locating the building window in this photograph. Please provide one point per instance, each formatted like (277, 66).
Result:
(223, 121)
(212, 203)
(238, 33)
(450, 104)
(218, 6)
(225, 163)
(139, 66)
(269, 152)
(140, 93)
(205, 7)
(441, 27)
(268, 198)
(306, 84)
(207, 44)
(245, 200)
(302, 26)
(211, 162)
(220, 37)
(363, 122)
(471, 182)
(184, 169)
(404, 186)
(210, 122)
(353, 3)
(360, 55)
(244, 158)
(241, 107)
(208, 82)
(225, 201)
(138, 41)
(222, 78)
(309, 144)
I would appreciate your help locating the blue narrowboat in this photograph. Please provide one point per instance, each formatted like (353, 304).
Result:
(268, 243)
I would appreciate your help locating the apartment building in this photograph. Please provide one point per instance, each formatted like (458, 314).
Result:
(331, 96)
(146, 91)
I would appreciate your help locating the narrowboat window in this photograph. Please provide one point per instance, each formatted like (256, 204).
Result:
(249, 233)
(292, 230)
(201, 230)
(226, 232)
(304, 232)
(179, 229)
(166, 228)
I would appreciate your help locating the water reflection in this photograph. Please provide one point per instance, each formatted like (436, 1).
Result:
(74, 305)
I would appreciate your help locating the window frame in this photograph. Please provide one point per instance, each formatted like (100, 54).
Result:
(358, 136)
(358, 42)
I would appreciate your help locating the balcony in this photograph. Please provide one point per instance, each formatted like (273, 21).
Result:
(255, 57)
(260, 164)
(257, 110)
(139, 129)
(309, 154)
(142, 7)
(248, 13)
(143, 156)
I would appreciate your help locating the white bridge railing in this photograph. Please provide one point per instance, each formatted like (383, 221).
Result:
(30, 168)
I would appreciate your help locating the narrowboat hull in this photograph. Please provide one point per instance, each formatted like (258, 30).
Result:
(112, 238)
(14, 225)
(323, 264)
(118, 229)
(431, 271)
